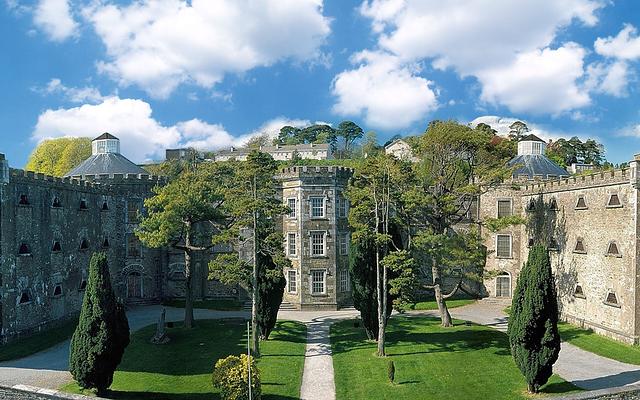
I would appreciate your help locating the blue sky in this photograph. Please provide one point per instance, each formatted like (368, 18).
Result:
(210, 74)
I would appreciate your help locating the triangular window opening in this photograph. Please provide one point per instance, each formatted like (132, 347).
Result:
(83, 285)
(105, 206)
(553, 205)
(24, 297)
(56, 247)
(579, 246)
(56, 203)
(24, 249)
(613, 249)
(614, 201)
(57, 291)
(578, 292)
(24, 200)
(581, 203)
(105, 243)
(84, 244)
(611, 298)
(531, 206)
(83, 205)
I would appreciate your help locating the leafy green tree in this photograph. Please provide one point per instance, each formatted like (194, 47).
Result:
(56, 157)
(533, 324)
(181, 213)
(566, 152)
(349, 132)
(253, 203)
(517, 130)
(102, 334)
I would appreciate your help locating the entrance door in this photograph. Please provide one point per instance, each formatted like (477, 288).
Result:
(134, 285)
(503, 285)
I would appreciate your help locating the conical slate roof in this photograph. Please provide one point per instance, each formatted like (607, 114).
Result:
(106, 163)
(536, 166)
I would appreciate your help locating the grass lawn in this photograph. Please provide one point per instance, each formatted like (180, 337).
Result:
(598, 344)
(211, 304)
(40, 341)
(432, 305)
(181, 369)
(431, 362)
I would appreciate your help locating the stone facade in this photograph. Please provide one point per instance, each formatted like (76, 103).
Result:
(310, 151)
(316, 237)
(595, 260)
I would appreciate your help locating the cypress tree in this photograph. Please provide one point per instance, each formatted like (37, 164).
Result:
(102, 334)
(271, 284)
(533, 324)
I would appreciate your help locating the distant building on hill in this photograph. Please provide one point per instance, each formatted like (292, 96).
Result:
(401, 150)
(310, 151)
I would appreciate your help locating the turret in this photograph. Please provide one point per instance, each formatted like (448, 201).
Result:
(531, 145)
(105, 143)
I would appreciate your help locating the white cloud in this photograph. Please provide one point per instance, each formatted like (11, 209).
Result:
(143, 137)
(625, 46)
(159, 45)
(491, 39)
(386, 92)
(501, 124)
(609, 78)
(54, 18)
(85, 94)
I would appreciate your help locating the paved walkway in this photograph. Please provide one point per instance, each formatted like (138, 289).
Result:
(582, 368)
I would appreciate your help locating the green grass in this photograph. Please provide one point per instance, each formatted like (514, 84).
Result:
(181, 369)
(431, 362)
(29, 345)
(211, 304)
(432, 305)
(590, 341)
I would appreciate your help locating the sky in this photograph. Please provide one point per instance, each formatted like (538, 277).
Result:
(210, 74)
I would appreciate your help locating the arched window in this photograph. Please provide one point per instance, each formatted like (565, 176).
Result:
(24, 249)
(503, 285)
(84, 244)
(56, 247)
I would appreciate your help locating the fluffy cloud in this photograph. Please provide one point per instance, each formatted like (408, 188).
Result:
(493, 41)
(610, 78)
(501, 124)
(158, 45)
(386, 92)
(85, 94)
(54, 18)
(613, 77)
(143, 137)
(625, 46)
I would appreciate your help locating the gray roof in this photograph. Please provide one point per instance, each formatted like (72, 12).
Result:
(536, 165)
(106, 163)
(531, 138)
(104, 136)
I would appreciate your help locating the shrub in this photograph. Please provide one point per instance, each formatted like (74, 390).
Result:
(102, 334)
(391, 370)
(231, 376)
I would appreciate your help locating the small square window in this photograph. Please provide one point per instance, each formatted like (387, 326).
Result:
(56, 247)
(530, 242)
(614, 201)
(23, 200)
(612, 250)
(579, 248)
(83, 205)
(579, 293)
(504, 208)
(581, 204)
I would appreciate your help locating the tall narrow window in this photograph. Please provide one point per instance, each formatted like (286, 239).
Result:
(579, 247)
(342, 205)
(614, 201)
(317, 281)
(344, 281)
(503, 246)
(612, 250)
(292, 282)
(105, 243)
(581, 204)
(291, 244)
(504, 208)
(292, 204)
(317, 243)
(134, 247)
(83, 204)
(530, 242)
(133, 211)
(344, 244)
(317, 207)
(24, 200)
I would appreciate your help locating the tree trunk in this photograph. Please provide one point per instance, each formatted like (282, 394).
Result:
(188, 295)
(255, 338)
(442, 306)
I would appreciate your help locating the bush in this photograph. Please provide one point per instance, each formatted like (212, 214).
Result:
(231, 376)
(391, 371)
(102, 334)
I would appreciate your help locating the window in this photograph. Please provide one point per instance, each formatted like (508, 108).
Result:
(342, 205)
(532, 205)
(24, 200)
(553, 244)
(291, 244)
(317, 243)
(612, 250)
(83, 285)
(56, 203)
(503, 246)
(317, 281)
(503, 285)
(83, 204)
(344, 244)
(504, 208)
(133, 246)
(84, 244)
(56, 247)
(581, 204)
(105, 206)
(24, 249)
(579, 247)
(292, 204)
(133, 211)
(612, 299)
(530, 242)
(317, 207)
(344, 281)
(24, 297)
(553, 205)
(292, 281)
(105, 243)
(579, 293)
(57, 291)
(614, 201)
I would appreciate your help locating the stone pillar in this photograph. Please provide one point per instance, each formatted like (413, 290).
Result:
(4, 170)
(633, 169)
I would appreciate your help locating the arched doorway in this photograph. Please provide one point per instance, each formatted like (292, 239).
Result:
(134, 285)
(503, 285)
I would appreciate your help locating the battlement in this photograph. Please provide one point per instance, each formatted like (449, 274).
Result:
(602, 178)
(90, 181)
(315, 171)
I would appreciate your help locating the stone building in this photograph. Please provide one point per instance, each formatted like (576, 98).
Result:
(316, 236)
(594, 251)
(307, 151)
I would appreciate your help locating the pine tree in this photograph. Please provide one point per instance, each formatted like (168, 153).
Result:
(533, 325)
(102, 334)
(271, 284)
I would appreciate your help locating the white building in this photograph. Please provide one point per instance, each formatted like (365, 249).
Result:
(309, 151)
